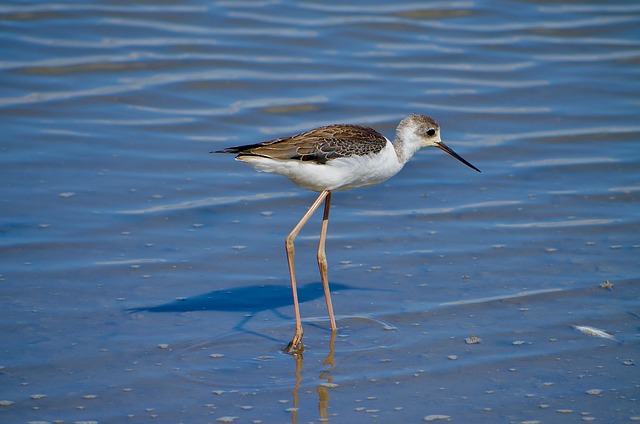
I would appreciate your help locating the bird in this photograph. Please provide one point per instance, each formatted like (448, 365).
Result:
(337, 157)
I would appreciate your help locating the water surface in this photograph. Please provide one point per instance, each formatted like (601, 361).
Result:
(144, 279)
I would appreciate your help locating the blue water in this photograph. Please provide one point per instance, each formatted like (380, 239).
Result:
(142, 278)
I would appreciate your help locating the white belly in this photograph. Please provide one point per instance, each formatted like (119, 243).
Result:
(337, 174)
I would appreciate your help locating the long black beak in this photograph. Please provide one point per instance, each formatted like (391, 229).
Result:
(449, 150)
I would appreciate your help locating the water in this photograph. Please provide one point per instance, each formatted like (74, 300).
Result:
(145, 279)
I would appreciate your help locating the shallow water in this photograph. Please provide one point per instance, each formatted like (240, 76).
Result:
(143, 278)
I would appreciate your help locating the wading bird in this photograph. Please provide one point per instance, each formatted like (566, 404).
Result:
(337, 158)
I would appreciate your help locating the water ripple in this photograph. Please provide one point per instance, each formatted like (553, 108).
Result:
(511, 39)
(210, 201)
(589, 57)
(482, 82)
(236, 74)
(496, 139)
(592, 8)
(116, 42)
(563, 162)
(317, 22)
(133, 60)
(435, 211)
(388, 7)
(239, 106)
(628, 189)
(483, 109)
(561, 224)
(42, 97)
(461, 66)
(88, 7)
(501, 297)
(200, 30)
(544, 24)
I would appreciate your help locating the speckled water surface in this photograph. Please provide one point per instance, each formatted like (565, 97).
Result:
(143, 279)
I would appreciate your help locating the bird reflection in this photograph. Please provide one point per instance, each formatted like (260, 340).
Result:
(323, 387)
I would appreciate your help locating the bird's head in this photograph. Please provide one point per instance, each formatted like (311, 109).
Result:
(426, 132)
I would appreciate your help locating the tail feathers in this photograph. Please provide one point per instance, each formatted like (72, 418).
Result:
(228, 150)
(246, 149)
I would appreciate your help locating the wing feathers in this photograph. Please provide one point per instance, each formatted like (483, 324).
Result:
(318, 145)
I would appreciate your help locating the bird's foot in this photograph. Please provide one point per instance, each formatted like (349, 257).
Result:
(295, 347)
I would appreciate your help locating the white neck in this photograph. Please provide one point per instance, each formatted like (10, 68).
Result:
(405, 145)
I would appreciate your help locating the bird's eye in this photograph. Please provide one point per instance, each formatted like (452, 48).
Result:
(431, 132)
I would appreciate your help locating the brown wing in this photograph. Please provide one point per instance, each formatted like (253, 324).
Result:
(318, 145)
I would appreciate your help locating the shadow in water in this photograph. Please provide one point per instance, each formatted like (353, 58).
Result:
(250, 300)
(244, 299)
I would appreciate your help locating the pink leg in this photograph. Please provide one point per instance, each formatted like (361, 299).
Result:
(296, 344)
(322, 262)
